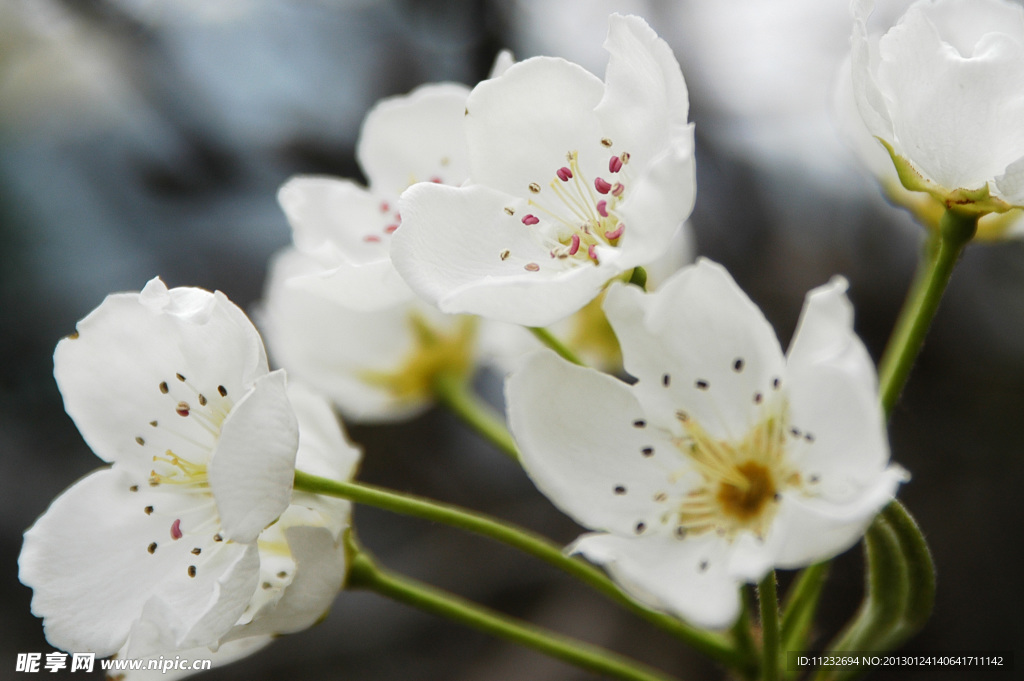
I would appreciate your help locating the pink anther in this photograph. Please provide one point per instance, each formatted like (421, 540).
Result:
(602, 208)
(603, 186)
(615, 164)
(530, 219)
(385, 206)
(592, 252)
(176, 529)
(436, 180)
(574, 244)
(564, 174)
(613, 234)
(390, 229)
(618, 189)
(371, 238)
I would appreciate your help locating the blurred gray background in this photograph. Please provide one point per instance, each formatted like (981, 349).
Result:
(148, 137)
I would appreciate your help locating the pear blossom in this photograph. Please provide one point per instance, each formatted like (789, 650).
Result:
(725, 459)
(172, 388)
(573, 181)
(374, 364)
(302, 556)
(339, 274)
(940, 90)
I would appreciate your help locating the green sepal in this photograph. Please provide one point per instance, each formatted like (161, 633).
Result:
(900, 591)
(977, 201)
(638, 277)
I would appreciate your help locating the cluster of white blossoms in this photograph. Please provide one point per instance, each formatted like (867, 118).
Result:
(529, 199)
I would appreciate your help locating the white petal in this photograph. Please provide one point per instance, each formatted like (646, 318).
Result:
(658, 203)
(88, 561)
(582, 439)
(252, 468)
(320, 568)
(957, 117)
(697, 344)
(521, 125)
(502, 61)
(807, 530)
(1011, 183)
(337, 361)
(174, 614)
(824, 334)
(687, 578)
(225, 654)
(870, 100)
(645, 101)
(833, 398)
(367, 287)
(415, 138)
(450, 249)
(338, 217)
(110, 375)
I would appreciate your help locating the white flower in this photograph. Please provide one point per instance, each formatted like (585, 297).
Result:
(942, 90)
(374, 364)
(572, 182)
(339, 275)
(172, 388)
(725, 459)
(302, 556)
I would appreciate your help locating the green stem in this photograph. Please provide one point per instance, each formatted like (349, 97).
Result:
(743, 635)
(800, 606)
(956, 229)
(769, 599)
(713, 645)
(548, 339)
(454, 393)
(364, 574)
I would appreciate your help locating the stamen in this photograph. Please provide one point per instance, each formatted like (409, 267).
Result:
(530, 219)
(531, 267)
(564, 174)
(183, 409)
(176, 529)
(614, 164)
(574, 244)
(601, 185)
(602, 208)
(615, 233)
(618, 189)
